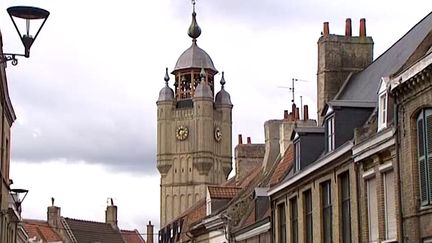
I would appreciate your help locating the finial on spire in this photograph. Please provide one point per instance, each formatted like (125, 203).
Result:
(166, 78)
(194, 30)
(222, 82)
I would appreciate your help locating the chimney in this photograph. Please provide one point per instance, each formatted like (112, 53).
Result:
(249, 140)
(326, 30)
(286, 116)
(240, 139)
(149, 233)
(54, 215)
(306, 112)
(339, 56)
(111, 215)
(362, 32)
(297, 114)
(348, 29)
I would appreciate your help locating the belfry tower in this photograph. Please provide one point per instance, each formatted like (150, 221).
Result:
(194, 133)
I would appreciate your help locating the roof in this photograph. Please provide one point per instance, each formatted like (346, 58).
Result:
(283, 166)
(131, 236)
(89, 231)
(365, 84)
(41, 230)
(223, 192)
(194, 57)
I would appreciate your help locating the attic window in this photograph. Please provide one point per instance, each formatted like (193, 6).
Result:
(330, 135)
(297, 156)
(382, 105)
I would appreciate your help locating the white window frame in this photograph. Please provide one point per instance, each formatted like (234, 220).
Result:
(297, 149)
(382, 111)
(330, 133)
(382, 106)
(386, 205)
(369, 209)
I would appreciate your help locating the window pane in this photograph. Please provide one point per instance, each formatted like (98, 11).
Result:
(346, 208)
(326, 211)
(294, 220)
(389, 199)
(282, 223)
(308, 216)
(420, 136)
(372, 210)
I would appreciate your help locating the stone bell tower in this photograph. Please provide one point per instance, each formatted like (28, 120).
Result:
(194, 147)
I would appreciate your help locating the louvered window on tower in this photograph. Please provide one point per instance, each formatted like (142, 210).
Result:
(424, 153)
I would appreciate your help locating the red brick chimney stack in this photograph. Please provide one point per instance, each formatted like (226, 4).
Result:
(297, 114)
(362, 32)
(240, 139)
(249, 141)
(348, 29)
(149, 233)
(326, 30)
(286, 116)
(306, 112)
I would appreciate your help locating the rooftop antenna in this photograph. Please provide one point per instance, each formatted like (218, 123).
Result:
(292, 88)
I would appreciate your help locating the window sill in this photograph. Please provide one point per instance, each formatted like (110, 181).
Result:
(389, 241)
(425, 208)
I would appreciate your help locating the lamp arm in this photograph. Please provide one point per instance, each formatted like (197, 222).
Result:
(10, 57)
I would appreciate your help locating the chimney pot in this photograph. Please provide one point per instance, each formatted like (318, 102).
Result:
(297, 114)
(326, 30)
(348, 29)
(240, 139)
(249, 141)
(149, 233)
(362, 32)
(286, 114)
(306, 112)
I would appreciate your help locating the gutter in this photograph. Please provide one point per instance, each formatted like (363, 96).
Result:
(318, 164)
(254, 232)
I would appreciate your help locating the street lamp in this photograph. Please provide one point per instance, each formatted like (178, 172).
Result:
(17, 198)
(28, 14)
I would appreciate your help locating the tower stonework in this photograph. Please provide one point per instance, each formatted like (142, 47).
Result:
(194, 131)
(338, 57)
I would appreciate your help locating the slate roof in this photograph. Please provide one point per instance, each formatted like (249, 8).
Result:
(223, 192)
(131, 236)
(89, 231)
(365, 84)
(41, 230)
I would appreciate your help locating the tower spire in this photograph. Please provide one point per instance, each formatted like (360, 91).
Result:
(194, 30)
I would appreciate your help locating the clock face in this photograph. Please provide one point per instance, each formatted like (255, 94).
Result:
(182, 133)
(217, 134)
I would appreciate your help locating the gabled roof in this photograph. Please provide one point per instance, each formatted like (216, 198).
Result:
(223, 192)
(89, 231)
(131, 236)
(365, 84)
(41, 230)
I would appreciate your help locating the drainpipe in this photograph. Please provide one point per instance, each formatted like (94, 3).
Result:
(397, 133)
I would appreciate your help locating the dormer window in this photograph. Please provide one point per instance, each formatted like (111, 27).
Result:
(382, 106)
(297, 155)
(330, 135)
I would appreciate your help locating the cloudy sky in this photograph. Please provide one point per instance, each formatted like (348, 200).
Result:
(85, 100)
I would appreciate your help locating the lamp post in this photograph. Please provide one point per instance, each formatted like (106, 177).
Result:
(29, 14)
(16, 197)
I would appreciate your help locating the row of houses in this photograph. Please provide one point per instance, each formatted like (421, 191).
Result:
(361, 172)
